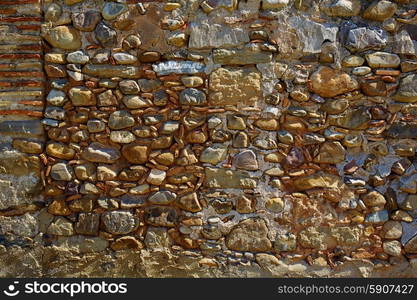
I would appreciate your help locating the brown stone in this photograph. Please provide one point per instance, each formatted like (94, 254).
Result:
(328, 82)
(136, 154)
(249, 235)
(59, 150)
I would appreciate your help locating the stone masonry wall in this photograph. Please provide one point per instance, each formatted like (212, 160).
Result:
(208, 138)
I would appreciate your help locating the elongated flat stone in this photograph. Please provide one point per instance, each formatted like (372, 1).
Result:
(178, 67)
(109, 71)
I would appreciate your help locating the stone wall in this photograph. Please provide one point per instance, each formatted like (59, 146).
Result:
(221, 138)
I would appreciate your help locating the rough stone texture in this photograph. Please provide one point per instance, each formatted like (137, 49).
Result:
(234, 85)
(214, 138)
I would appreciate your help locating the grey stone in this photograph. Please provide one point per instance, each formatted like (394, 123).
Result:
(97, 152)
(56, 97)
(208, 35)
(124, 58)
(193, 97)
(109, 71)
(24, 226)
(77, 57)
(88, 223)
(96, 126)
(119, 222)
(22, 128)
(56, 113)
(377, 217)
(86, 21)
(402, 130)
(160, 98)
(214, 154)
(312, 34)
(122, 137)
(246, 160)
(105, 35)
(121, 119)
(178, 67)
(162, 198)
(364, 38)
(62, 171)
(112, 10)
(129, 87)
(407, 92)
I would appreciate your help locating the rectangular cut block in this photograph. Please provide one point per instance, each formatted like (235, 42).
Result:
(205, 35)
(228, 179)
(109, 71)
(30, 128)
(231, 86)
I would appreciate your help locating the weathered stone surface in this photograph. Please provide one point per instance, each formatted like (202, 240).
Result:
(285, 242)
(59, 150)
(234, 85)
(113, 9)
(331, 153)
(341, 8)
(22, 128)
(328, 82)
(162, 198)
(246, 160)
(407, 91)
(223, 178)
(206, 35)
(246, 56)
(411, 245)
(192, 96)
(25, 226)
(109, 71)
(135, 153)
(352, 119)
(178, 67)
(105, 35)
(161, 216)
(81, 96)
(382, 60)
(214, 154)
(380, 10)
(121, 119)
(61, 171)
(119, 222)
(249, 235)
(61, 226)
(318, 180)
(392, 230)
(364, 38)
(126, 243)
(85, 21)
(402, 130)
(190, 203)
(374, 198)
(122, 137)
(64, 37)
(97, 152)
(82, 244)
